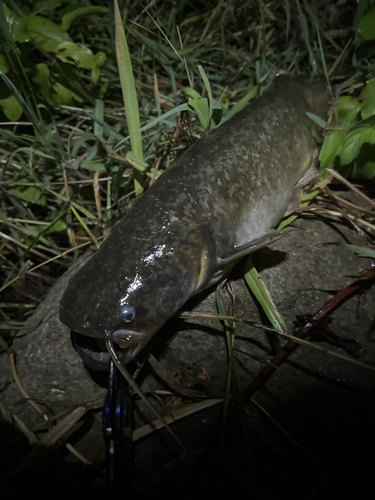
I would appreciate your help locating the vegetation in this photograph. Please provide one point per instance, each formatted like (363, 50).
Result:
(68, 168)
(90, 118)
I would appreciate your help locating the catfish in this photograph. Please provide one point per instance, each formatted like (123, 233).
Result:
(214, 205)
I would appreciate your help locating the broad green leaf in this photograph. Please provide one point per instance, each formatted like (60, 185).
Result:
(100, 58)
(53, 91)
(4, 68)
(364, 165)
(366, 25)
(80, 56)
(43, 31)
(63, 95)
(31, 194)
(129, 95)
(69, 18)
(363, 6)
(12, 19)
(93, 166)
(42, 78)
(353, 140)
(12, 108)
(368, 94)
(57, 226)
(331, 144)
(347, 108)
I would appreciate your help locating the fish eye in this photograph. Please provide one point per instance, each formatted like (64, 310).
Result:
(127, 314)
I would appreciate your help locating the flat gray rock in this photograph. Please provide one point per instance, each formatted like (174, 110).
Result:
(302, 273)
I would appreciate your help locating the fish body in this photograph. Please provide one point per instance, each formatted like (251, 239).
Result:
(194, 223)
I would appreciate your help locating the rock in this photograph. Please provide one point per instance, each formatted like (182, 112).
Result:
(302, 271)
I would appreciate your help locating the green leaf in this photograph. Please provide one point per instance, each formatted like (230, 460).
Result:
(43, 31)
(215, 109)
(12, 108)
(95, 74)
(4, 67)
(62, 95)
(57, 226)
(364, 165)
(353, 140)
(331, 144)
(360, 251)
(12, 19)
(319, 121)
(80, 56)
(100, 58)
(24, 268)
(264, 298)
(129, 95)
(368, 94)
(72, 16)
(198, 104)
(347, 108)
(42, 78)
(93, 166)
(267, 11)
(366, 25)
(46, 6)
(53, 90)
(31, 194)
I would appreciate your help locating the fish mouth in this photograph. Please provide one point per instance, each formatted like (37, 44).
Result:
(94, 352)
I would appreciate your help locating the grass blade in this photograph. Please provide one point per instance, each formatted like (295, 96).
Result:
(129, 95)
(264, 298)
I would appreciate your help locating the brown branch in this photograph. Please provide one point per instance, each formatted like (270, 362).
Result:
(289, 347)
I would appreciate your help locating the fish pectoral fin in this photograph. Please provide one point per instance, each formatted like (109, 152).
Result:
(208, 256)
(239, 252)
(308, 178)
(312, 172)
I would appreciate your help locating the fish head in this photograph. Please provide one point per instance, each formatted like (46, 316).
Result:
(126, 295)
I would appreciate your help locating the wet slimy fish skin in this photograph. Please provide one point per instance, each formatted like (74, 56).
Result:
(213, 206)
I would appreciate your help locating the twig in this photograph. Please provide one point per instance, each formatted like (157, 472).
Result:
(289, 347)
